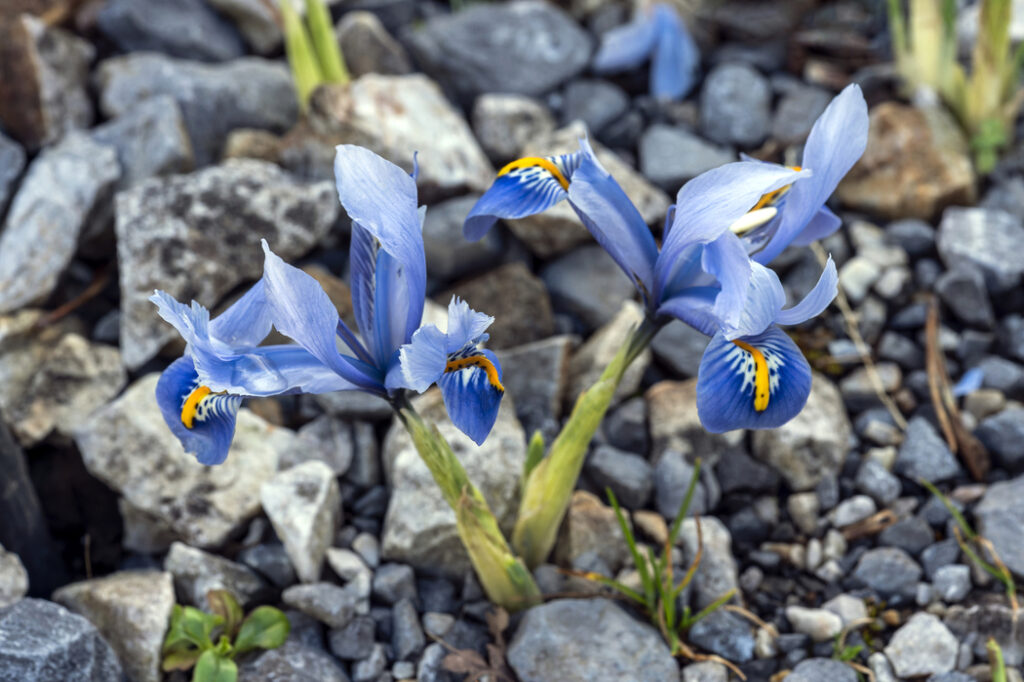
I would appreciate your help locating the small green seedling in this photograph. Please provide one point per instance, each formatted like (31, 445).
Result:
(192, 635)
(995, 660)
(312, 48)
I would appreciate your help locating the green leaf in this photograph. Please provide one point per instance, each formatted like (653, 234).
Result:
(995, 657)
(965, 527)
(224, 604)
(534, 455)
(212, 668)
(646, 579)
(305, 68)
(265, 628)
(180, 660)
(190, 626)
(325, 43)
(710, 608)
(684, 506)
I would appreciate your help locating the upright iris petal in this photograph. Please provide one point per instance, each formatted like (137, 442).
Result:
(469, 377)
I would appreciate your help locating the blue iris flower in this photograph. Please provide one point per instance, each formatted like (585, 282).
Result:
(200, 393)
(658, 32)
(797, 214)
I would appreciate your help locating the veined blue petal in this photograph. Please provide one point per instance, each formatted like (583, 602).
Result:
(362, 269)
(204, 422)
(613, 220)
(523, 188)
(381, 198)
(765, 298)
(676, 57)
(824, 223)
(465, 325)
(970, 382)
(757, 382)
(302, 311)
(815, 302)
(627, 46)
(726, 260)
(472, 392)
(247, 322)
(391, 308)
(694, 306)
(423, 360)
(836, 142)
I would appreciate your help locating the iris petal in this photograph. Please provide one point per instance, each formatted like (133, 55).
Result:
(424, 358)
(465, 325)
(731, 378)
(247, 322)
(627, 46)
(824, 223)
(472, 397)
(815, 302)
(727, 261)
(765, 298)
(362, 269)
(213, 423)
(523, 188)
(676, 57)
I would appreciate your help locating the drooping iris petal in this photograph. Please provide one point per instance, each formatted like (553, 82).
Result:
(824, 223)
(472, 393)
(626, 47)
(362, 269)
(423, 359)
(204, 422)
(836, 142)
(815, 302)
(465, 325)
(765, 298)
(246, 322)
(970, 382)
(613, 220)
(757, 382)
(694, 306)
(523, 188)
(302, 311)
(676, 57)
(726, 260)
(381, 198)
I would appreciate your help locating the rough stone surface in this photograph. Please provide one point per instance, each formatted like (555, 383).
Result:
(818, 624)
(1003, 435)
(214, 98)
(13, 578)
(304, 506)
(131, 609)
(12, 162)
(448, 254)
(924, 454)
(419, 528)
(674, 424)
(984, 238)
(717, 573)
(294, 661)
(924, 646)
(590, 359)
(396, 115)
(197, 236)
(724, 633)
(629, 476)
(517, 300)
(332, 605)
(588, 640)
(368, 47)
(505, 123)
(962, 288)
(679, 347)
(735, 105)
(670, 156)
(813, 444)
(197, 572)
(889, 571)
(535, 377)
(254, 20)
(526, 47)
(64, 184)
(587, 283)
(127, 445)
(590, 528)
(916, 163)
(180, 28)
(1000, 516)
(819, 669)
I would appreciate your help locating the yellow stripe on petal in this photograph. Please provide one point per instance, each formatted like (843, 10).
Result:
(480, 361)
(762, 385)
(534, 162)
(191, 406)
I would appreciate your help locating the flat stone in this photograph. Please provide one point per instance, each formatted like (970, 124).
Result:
(820, 625)
(819, 669)
(912, 534)
(590, 359)
(629, 476)
(674, 424)
(875, 480)
(62, 187)
(295, 662)
(852, 510)
(590, 527)
(326, 439)
(368, 47)
(395, 116)
(735, 105)
(40, 640)
(419, 527)
(536, 376)
(448, 254)
(255, 20)
(1000, 516)
(1003, 436)
(717, 573)
(595, 102)
(527, 48)
(197, 236)
(889, 571)
(924, 646)
(811, 445)
(797, 112)
(847, 607)
(13, 578)
(127, 445)
(924, 454)
(706, 671)
(214, 98)
(394, 582)
(505, 123)
(587, 283)
(679, 347)
(354, 641)
(304, 506)
(983, 238)
(916, 163)
(197, 572)
(588, 640)
(672, 476)
(43, 75)
(326, 602)
(725, 634)
(271, 561)
(962, 289)
(952, 583)
(131, 609)
(180, 28)
(407, 638)
(671, 155)
(12, 162)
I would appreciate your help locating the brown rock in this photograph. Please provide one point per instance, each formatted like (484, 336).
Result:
(368, 47)
(917, 162)
(675, 425)
(590, 526)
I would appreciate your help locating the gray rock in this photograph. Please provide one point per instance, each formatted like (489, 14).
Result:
(526, 47)
(438, 624)
(901, 350)
(13, 578)
(670, 156)
(180, 28)
(430, 666)
(1003, 436)
(304, 506)
(856, 277)
(394, 582)
(295, 662)
(44, 642)
(131, 610)
(370, 668)
(368, 47)
(354, 641)
(271, 561)
(43, 89)
(819, 669)
(535, 377)
(626, 426)
(347, 564)
(889, 571)
(515, 297)
(674, 424)
(875, 480)
(127, 445)
(354, 405)
(595, 102)
(326, 602)
(717, 573)
(197, 236)
(914, 236)
(629, 476)
(852, 510)
(847, 607)
(706, 671)
(504, 123)
(255, 20)
(214, 98)
(679, 347)
(962, 288)
(150, 139)
(1003, 375)
(811, 445)
(63, 186)
(924, 646)
(798, 109)
(407, 638)
(975, 625)
(672, 476)
(1000, 516)
(952, 583)
(395, 116)
(725, 634)
(587, 283)
(912, 534)
(197, 572)
(448, 254)
(12, 162)
(1011, 335)
(925, 455)
(590, 359)
(367, 546)
(940, 554)
(859, 391)
(591, 640)
(419, 528)
(735, 105)
(820, 625)
(984, 238)
(590, 537)
(326, 439)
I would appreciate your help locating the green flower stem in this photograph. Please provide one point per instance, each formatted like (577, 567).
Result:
(504, 577)
(549, 485)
